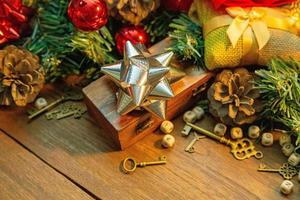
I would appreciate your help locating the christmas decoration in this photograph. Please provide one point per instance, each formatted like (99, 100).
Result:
(246, 36)
(280, 90)
(249, 3)
(133, 11)
(135, 34)
(233, 98)
(187, 41)
(177, 5)
(88, 15)
(63, 50)
(21, 77)
(12, 18)
(141, 80)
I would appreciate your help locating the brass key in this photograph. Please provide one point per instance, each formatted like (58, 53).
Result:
(241, 149)
(69, 95)
(190, 147)
(286, 171)
(133, 164)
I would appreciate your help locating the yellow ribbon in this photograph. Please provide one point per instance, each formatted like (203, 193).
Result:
(248, 19)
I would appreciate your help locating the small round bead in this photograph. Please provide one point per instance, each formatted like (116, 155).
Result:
(236, 133)
(284, 138)
(199, 112)
(286, 187)
(253, 132)
(220, 129)
(167, 127)
(267, 139)
(40, 103)
(294, 159)
(168, 141)
(287, 149)
(190, 117)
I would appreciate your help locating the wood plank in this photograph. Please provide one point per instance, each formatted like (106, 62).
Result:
(78, 149)
(24, 176)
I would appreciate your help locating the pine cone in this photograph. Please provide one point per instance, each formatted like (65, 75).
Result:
(21, 77)
(233, 98)
(133, 11)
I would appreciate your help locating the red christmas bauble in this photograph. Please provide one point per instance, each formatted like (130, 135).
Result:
(135, 34)
(88, 15)
(12, 19)
(177, 5)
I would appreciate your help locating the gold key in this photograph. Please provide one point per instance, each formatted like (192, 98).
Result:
(69, 95)
(133, 164)
(190, 148)
(286, 171)
(241, 149)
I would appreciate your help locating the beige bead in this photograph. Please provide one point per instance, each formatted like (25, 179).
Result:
(40, 103)
(267, 139)
(286, 187)
(220, 129)
(287, 149)
(186, 130)
(199, 112)
(284, 138)
(236, 133)
(190, 117)
(294, 159)
(167, 127)
(168, 141)
(253, 132)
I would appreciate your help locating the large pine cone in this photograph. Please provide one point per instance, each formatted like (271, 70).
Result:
(21, 77)
(133, 11)
(233, 98)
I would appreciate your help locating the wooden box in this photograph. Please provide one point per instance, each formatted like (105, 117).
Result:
(100, 98)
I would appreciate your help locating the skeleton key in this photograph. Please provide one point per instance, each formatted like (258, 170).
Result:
(286, 171)
(133, 164)
(69, 95)
(190, 147)
(241, 149)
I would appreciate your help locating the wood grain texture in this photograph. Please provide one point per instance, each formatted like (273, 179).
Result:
(78, 149)
(24, 176)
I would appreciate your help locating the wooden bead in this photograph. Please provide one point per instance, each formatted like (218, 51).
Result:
(190, 117)
(253, 132)
(199, 112)
(168, 141)
(167, 127)
(40, 103)
(294, 159)
(220, 129)
(287, 149)
(236, 133)
(286, 187)
(267, 139)
(284, 138)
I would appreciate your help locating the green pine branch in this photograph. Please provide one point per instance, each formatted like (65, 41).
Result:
(280, 91)
(187, 40)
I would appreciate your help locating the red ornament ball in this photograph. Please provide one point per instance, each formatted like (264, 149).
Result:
(88, 15)
(135, 34)
(177, 5)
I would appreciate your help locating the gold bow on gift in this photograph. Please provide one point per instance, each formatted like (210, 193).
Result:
(245, 21)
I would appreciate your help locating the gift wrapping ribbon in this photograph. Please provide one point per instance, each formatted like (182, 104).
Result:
(250, 24)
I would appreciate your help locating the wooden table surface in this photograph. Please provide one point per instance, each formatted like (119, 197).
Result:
(70, 159)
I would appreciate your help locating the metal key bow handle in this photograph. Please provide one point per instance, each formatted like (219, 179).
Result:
(244, 148)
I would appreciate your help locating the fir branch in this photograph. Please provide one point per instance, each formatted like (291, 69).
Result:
(280, 91)
(158, 27)
(96, 45)
(187, 40)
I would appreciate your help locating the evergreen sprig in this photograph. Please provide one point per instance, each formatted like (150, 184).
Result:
(187, 40)
(280, 90)
(62, 48)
